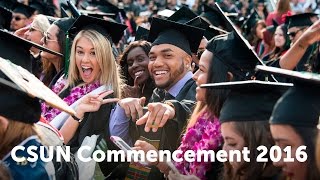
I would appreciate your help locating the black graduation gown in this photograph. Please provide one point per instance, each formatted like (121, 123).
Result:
(184, 103)
(170, 134)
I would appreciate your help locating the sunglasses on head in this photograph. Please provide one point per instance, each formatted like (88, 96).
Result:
(18, 18)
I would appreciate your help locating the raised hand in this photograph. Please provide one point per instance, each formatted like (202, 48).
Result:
(157, 116)
(93, 102)
(133, 107)
(312, 34)
(132, 91)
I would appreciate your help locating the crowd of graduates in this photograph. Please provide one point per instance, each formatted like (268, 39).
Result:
(161, 75)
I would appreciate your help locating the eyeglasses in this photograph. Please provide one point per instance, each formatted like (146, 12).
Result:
(18, 18)
(293, 34)
(31, 29)
(199, 53)
(46, 38)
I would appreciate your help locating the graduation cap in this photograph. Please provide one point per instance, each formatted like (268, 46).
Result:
(214, 17)
(235, 52)
(300, 105)
(165, 13)
(100, 15)
(272, 28)
(183, 15)
(183, 36)
(44, 8)
(300, 20)
(250, 22)
(109, 29)
(249, 100)
(24, 95)
(63, 12)
(64, 24)
(23, 9)
(74, 11)
(141, 34)
(304, 77)
(16, 49)
(5, 18)
(107, 7)
(210, 31)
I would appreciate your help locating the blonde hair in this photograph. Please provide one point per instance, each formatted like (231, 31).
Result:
(110, 74)
(41, 23)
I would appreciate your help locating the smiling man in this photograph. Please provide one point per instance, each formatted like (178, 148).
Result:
(299, 56)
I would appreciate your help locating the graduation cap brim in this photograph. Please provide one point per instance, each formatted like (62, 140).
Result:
(32, 86)
(183, 15)
(250, 84)
(216, 10)
(250, 21)
(141, 34)
(300, 76)
(300, 20)
(23, 9)
(238, 35)
(74, 11)
(10, 37)
(165, 13)
(6, 16)
(106, 6)
(63, 12)
(211, 31)
(191, 33)
(97, 14)
(113, 29)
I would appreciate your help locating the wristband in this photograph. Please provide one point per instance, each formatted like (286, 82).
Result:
(76, 118)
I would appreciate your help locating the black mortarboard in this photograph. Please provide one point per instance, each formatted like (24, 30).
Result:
(64, 24)
(214, 17)
(183, 15)
(109, 29)
(300, 105)
(250, 22)
(235, 52)
(21, 98)
(272, 28)
(74, 11)
(107, 7)
(63, 12)
(165, 13)
(16, 49)
(18, 105)
(210, 31)
(100, 15)
(5, 18)
(183, 36)
(249, 100)
(23, 9)
(44, 8)
(300, 20)
(141, 34)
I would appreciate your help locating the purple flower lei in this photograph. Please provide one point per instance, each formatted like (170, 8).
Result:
(204, 135)
(75, 94)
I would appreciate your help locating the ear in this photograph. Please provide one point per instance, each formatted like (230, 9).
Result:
(187, 61)
(4, 122)
(229, 76)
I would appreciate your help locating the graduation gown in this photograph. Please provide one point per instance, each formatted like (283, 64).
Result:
(170, 134)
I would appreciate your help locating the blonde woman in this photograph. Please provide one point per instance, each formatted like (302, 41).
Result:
(35, 32)
(92, 65)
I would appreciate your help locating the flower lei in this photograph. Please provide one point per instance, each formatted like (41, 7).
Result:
(204, 135)
(75, 94)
